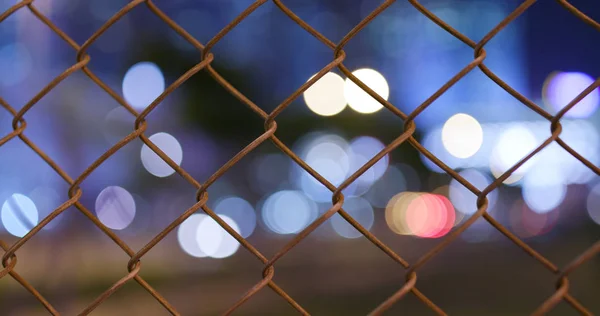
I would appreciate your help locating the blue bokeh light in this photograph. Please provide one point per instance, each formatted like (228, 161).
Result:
(19, 215)
(288, 212)
(240, 211)
(142, 84)
(361, 210)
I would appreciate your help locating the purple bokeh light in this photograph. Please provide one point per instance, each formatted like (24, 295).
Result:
(563, 87)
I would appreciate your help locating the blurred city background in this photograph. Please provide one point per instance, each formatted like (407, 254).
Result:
(476, 128)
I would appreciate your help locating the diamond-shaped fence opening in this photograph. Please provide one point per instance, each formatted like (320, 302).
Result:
(354, 189)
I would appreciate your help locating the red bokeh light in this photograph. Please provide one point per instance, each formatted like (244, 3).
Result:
(527, 223)
(430, 216)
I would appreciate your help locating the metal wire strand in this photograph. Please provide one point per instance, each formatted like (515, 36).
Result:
(134, 265)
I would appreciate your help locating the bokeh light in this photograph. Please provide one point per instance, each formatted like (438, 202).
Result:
(288, 212)
(463, 199)
(462, 135)
(153, 163)
(561, 88)
(582, 136)
(423, 215)
(593, 204)
(214, 240)
(430, 216)
(365, 148)
(361, 101)
(186, 235)
(361, 150)
(549, 169)
(240, 211)
(142, 84)
(528, 223)
(444, 192)
(395, 212)
(513, 145)
(115, 207)
(361, 210)
(19, 215)
(326, 96)
(433, 141)
(326, 154)
(543, 188)
(544, 198)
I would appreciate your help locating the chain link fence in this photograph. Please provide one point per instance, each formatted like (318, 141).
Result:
(134, 266)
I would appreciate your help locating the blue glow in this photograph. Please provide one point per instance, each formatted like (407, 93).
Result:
(16, 64)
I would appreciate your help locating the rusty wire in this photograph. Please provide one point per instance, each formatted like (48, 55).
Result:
(134, 266)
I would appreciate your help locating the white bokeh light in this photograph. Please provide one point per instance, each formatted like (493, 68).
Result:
(561, 88)
(153, 163)
(288, 212)
(543, 198)
(19, 215)
(240, 211)
(361, 101)
(550, 169)
(368, 147)
(142, 84)
(462, 135)
(327, 155)
(214, 240)
(360, 210)
(326, 96)
(512, 146)
(360, 151)
(115, 207)
(313, 188)
(581, 136)
(186, 235)
(332, 151)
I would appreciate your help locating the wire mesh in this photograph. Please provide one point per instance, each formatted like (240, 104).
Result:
(134, 266)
